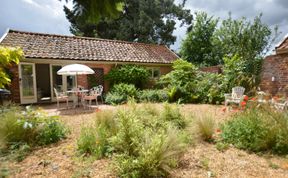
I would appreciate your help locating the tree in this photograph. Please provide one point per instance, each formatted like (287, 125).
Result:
(91, 11)
(243, 44)
(149, 21)
(7, 57)
(248, 39)
(198, 46)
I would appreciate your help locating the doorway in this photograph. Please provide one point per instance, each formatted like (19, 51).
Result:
(43, 83)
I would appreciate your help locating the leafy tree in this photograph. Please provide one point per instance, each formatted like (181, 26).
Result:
(91, 11)
(248, 39)
(243, 44)
(8, 56)
(198, 46)
(149, 21)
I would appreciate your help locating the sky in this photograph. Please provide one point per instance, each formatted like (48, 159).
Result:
(47, 16)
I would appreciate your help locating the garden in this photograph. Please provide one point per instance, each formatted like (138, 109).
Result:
(177, 127)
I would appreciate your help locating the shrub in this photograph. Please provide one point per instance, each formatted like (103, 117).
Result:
(94, 140)
(129, 74)
(87, 142)
(157, 155)
(171, 113)
(258, 129)
(210, 88)
(153, 96)
(180, 81)
(120, 93)
(22, 129)
(144, 143)
(51, 131)
(205, 127)
(128, 137)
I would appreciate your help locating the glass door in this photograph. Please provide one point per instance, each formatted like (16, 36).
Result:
(61, 83)
(27, 83)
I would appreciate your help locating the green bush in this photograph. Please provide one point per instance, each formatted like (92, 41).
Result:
(144, 142)
(28, 127)
(180, 82)
(258, 129)
(129, 74)
(153, 96)
(205, 127)
(210, 88)
(158, 153)
(120, 93)
(31, 126)
(51, 131)
(171, 113)
(94, 140)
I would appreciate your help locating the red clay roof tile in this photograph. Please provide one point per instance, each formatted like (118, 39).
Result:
(50, 46)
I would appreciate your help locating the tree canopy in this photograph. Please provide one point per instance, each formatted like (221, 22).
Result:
(208, 43)
(8, 56)
(198, 47)
(91, 11)
(149, 21)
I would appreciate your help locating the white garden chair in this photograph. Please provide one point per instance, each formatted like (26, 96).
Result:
(94, 93)
(61, 96)
(279, 104)
(236, 96)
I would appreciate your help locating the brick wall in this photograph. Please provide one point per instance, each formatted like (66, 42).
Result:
(14, 86)
(212, 69)
(83, 81)
(275, 66)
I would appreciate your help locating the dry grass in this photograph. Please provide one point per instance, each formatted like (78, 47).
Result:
(61, 160)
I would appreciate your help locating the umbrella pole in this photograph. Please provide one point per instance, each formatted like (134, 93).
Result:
(76, 82)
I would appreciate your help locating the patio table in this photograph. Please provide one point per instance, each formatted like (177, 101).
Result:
(75, 95)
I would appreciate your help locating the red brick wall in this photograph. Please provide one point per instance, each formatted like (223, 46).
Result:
(14, 86)
(212, 69)
(83, 81)
(165, 69)
(274, 66)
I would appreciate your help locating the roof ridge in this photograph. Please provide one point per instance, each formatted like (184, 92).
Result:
(81, 37)
(282, 41)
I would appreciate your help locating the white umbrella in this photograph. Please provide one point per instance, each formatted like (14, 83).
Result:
(75, 69)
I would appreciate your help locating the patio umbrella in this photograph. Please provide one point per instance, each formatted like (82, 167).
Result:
(75, 69)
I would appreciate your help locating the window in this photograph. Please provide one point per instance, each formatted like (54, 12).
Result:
(154, 72)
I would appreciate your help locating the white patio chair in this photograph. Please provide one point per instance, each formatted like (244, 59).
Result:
(99, 89)
(61, 96)
(279, 105)
(236, 96)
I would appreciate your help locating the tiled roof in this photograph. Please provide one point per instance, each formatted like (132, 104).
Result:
(50, 46)
(283, 47)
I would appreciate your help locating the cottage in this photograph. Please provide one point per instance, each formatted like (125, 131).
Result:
(35, 77)
(274, 75)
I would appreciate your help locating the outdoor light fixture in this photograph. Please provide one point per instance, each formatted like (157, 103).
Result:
(273, 79)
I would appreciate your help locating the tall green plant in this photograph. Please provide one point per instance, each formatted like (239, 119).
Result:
(180, 81)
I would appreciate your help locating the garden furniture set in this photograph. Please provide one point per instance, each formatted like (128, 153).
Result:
(80, 96)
